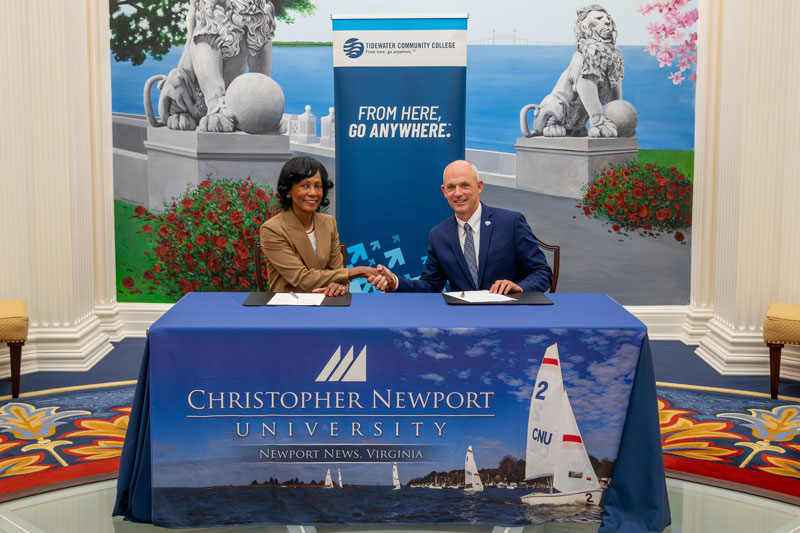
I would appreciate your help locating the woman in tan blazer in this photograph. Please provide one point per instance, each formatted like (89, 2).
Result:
(301, 245)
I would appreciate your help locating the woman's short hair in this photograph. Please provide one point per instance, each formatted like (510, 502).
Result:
(296, 170)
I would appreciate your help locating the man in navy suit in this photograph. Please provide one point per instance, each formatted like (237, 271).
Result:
(481, 247)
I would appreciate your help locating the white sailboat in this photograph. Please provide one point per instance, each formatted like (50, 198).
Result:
(555, 448)
(472, 480)
(328, 480)
(340, 478)
(395, 478)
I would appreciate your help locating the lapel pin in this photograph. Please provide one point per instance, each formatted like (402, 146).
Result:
(488, 222)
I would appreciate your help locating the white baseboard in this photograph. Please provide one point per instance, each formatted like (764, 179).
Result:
(136, 318)
(61, 349)
(664, 322)
(734, 352)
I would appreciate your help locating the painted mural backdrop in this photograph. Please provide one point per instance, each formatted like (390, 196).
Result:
(625, 234)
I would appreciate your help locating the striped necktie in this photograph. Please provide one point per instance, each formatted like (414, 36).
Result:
(469, 254)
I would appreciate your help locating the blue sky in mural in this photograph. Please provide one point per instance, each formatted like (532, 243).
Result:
(500, 79)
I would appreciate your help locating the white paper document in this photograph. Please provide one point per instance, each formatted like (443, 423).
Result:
(297, 298)
(478, 297)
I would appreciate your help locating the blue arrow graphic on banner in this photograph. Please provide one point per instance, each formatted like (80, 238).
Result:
(358, 251)
(375, 245)
(355, 285)
(394, 256)
(424, 258)
(396, 238)
(372, 262)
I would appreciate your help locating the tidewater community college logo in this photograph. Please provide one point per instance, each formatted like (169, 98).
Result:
(353, 48)
(340, 368)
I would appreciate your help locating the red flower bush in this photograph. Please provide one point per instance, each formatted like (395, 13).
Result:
(648, 197)
(204, 241)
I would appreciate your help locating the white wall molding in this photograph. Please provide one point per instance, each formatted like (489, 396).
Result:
(136, 317)
(664, 322)
(61, 349)
(695, 327)
(743, 352)
(110, 321)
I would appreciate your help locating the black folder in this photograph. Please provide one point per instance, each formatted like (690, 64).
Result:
(261, 298)
(519, 298)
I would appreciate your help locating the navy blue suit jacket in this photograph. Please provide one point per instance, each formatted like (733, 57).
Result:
(508, 250)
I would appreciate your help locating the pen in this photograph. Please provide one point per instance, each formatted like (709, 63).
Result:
(294, 295)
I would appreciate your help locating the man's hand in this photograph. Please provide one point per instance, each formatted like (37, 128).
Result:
(333, 289)
(383, 280)
(504, 286)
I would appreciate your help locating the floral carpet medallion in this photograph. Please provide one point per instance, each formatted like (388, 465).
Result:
(58, 439)
(741, 439)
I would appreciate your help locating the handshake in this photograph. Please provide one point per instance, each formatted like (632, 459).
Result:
(381, 277)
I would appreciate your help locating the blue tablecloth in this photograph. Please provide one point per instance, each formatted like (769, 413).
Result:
(636, 499)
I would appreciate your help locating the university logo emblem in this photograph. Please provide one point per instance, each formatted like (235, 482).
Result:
(340, 368)
(353, 48)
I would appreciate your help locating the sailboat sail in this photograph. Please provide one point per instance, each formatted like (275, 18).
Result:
(328, 481)
(395, 478)
(554, 445)
(472, 480)
(575, 472)
(340, 478)
(544, 417)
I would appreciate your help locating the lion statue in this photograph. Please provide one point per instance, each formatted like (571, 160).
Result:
(593, 78)
(224, 38)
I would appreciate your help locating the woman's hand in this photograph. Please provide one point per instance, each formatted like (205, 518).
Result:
(361, 272)
(333, 289)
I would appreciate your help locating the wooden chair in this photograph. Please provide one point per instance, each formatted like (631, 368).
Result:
(781, 326)
(556, 251)
(261, 272)
(14, 332)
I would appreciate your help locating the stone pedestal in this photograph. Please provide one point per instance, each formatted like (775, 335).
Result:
(177, 158)
(560, 166)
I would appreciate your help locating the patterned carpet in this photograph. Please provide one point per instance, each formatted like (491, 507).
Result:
(55, 440)
(736, 439)
(58, 440)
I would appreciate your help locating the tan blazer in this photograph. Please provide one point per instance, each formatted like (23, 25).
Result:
(292, 264)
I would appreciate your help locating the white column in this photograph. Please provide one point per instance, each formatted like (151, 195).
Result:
(747, 248)
(105, 279)
(56, 241)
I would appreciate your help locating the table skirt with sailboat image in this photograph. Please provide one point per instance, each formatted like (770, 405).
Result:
(466, 420)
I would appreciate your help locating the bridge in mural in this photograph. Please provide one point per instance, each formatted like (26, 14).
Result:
(506, 39)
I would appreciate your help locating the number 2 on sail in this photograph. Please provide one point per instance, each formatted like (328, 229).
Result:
(542, 387)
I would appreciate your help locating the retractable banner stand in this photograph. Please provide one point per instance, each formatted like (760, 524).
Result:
(400, 92)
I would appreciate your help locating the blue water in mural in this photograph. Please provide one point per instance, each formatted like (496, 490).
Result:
(500, 80)
(355, 505)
